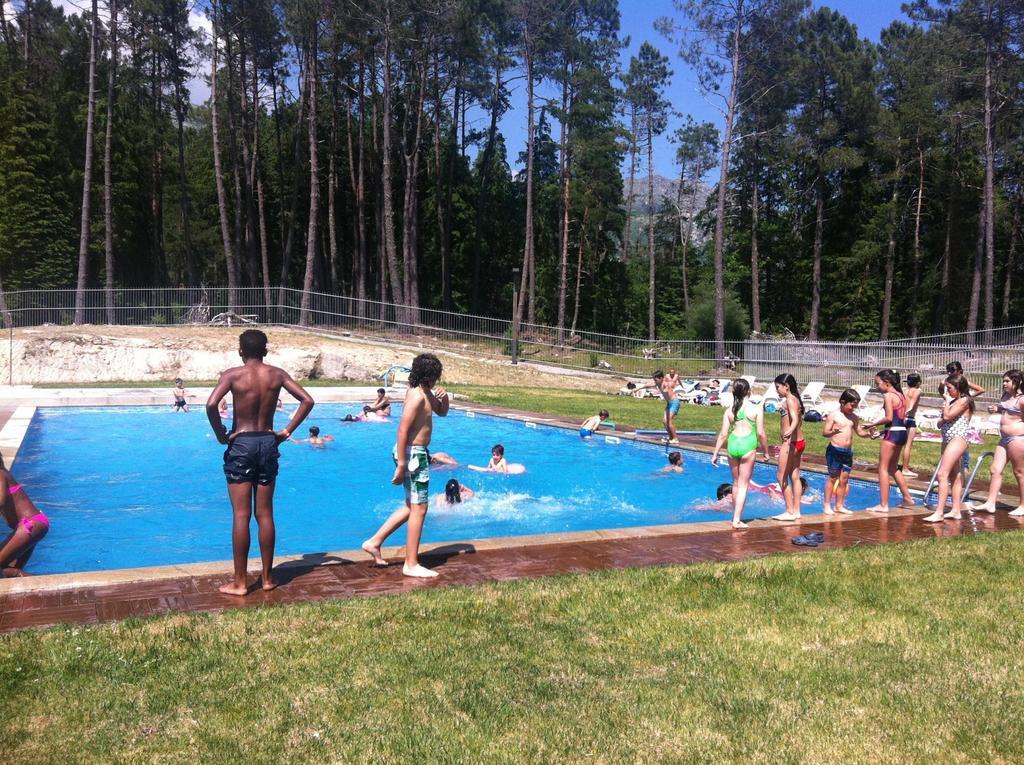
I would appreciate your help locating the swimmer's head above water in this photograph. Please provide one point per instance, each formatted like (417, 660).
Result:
(452, 491)
(314, 431)
(675, 458)
(724, 490)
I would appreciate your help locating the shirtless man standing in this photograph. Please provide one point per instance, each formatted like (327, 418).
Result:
(250, 461)
(412, 463)
(666, 384)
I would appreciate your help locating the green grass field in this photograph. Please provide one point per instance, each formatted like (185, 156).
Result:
(897, 654)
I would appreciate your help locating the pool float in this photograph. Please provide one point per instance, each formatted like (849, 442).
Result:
(514, 468)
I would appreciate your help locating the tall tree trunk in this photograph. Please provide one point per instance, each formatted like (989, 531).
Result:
(564, 183)
(979, 253)
(449, 213)
(108, 183)
(388, 222)
(916, 286)
(157, 196)
(939, 319)
(819, 228)
(261, 200)
(697, 175)
(579, 272)
(222, 208)
(528, 238)
(293, 205)
(360, 265)
(5, 36)
(755, 266)
(314, 181)
(723, 182)
(482, 196)
(651, 261)
(332, 189)
(634, 153)
(1011, 261)
(988, 210)
(890, 252)
(83, 237)
(410, 200)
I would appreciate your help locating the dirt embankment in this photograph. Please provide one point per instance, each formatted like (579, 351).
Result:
(88, 354)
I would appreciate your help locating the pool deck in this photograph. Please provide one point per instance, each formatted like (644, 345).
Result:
(104, 596)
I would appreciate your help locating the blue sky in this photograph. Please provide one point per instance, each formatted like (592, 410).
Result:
(869, 16)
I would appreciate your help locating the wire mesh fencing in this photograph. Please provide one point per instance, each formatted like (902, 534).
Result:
(837, 364)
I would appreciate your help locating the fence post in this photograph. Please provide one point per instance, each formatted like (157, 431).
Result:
(515, 312)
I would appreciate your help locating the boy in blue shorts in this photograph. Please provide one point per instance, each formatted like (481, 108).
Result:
(666, 384)
(839, 429)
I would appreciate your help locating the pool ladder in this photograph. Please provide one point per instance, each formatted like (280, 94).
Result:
(967, 485)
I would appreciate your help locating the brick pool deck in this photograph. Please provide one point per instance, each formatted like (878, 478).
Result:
(91, 599)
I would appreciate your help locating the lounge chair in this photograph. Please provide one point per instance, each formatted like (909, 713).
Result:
(812, 393)
(750, 380)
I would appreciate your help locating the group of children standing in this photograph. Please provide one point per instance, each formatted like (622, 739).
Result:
(743, 431)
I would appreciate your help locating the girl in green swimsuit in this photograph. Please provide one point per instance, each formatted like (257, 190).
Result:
(741, 434)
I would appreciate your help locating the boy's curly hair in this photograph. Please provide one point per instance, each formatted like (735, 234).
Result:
(426, 370)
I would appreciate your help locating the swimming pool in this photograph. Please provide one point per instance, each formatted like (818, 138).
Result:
(126, 487)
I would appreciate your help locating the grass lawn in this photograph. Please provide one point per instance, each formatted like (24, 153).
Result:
(895, 654)
(647, 413)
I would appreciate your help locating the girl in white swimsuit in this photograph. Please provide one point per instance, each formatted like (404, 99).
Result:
(1011, 428)
(955, 422)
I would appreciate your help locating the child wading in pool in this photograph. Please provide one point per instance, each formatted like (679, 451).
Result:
(412, 462)
(591, 424)
(179, 393)
(315, 439)
(250, 461)
(839, 429)
(27, 524)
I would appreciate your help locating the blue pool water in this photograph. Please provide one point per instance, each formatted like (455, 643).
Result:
(143, 486)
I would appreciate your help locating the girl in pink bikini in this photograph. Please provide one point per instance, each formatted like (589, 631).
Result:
(28, 525)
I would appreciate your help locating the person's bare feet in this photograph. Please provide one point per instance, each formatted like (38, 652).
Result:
(11, 572)
(985, 507)
(1018, 512)
(417, 571)
(952, 516)
(268, 584)
(374, 552)
(878, 509)
(907, 504)
(234, 589)
(828, 511)
(935, 517)
(785, 517)
(739, 525)
(844, 510)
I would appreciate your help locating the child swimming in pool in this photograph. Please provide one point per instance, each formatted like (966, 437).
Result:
(675, 463)
(382, 405)
(591, 424)
(315, 439)
(28, 525)
(442, 460)
(498, 463)
(454, 493)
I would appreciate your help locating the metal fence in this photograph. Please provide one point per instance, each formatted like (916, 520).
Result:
(837, 364)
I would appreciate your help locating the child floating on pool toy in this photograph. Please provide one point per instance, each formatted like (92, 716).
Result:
(591, 424)
(412, 462)
(315, 439)
(498, 463)
(382, 405)
(179, 394)
(675, 463)
(839, 429)
(454, 494)
(250, 461)
(27, 524)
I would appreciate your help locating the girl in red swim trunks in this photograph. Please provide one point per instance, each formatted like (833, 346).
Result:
(791, 410)
(893, 439)
(27, 524)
